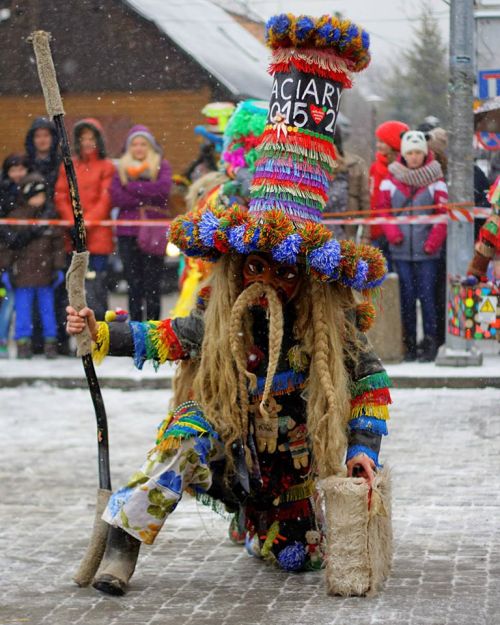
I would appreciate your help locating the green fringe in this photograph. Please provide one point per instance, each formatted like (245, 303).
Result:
(215, 505)
(257, 193)
(370, 383)
(491, 227)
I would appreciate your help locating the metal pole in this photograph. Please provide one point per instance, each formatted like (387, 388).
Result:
(460, 240)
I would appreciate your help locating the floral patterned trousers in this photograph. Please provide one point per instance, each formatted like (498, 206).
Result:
(143, 504)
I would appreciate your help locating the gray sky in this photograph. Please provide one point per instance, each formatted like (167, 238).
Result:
(389, 22)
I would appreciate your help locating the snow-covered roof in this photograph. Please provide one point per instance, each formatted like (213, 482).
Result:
(214, 40)
(239, 7)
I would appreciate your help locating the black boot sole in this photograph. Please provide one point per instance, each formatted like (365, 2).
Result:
(110, 585)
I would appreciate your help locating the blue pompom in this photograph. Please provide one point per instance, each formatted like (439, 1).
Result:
(287, 250)
(365, 40)
(208, 226)
(375, 283)
(293, 557)
(254, 243)
(326, 32)
(279, 24)
(304, 28)
(235, 238)
(326, 258)
(359, 280)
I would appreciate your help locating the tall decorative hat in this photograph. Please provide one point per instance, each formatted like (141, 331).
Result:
(312, 62)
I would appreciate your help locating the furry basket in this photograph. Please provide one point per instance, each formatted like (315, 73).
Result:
(359, 534)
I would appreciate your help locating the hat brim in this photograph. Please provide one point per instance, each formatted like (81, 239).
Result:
(214, 232)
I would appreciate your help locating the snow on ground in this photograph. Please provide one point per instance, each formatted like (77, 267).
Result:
(443, 451)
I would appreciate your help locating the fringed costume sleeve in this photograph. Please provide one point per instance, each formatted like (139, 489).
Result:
(370, 398)
(157, 341)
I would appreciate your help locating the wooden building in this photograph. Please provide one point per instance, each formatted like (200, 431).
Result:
(154, 62)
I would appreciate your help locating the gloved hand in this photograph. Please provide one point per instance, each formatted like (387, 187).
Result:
(58, 278)
(6, 281)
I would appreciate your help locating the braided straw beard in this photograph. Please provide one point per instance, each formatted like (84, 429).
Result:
(215, 380)
(238, 340)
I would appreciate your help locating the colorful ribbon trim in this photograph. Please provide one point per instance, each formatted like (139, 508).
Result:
(361, 449)
(283, 383)
(370, 410)
(369, 424)
(156, 341)
(186, 421)
(370, 383)
(100, 349)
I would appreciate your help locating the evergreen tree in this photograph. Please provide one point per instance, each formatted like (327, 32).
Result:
(418, 85)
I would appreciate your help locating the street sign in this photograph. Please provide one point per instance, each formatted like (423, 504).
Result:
(489, 141)
(488, 83)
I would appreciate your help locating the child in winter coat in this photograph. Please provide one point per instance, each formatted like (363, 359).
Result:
(388, 143)
(14, 169)
(416, 179)
(140, 189)
(93, 174)
(32, 260)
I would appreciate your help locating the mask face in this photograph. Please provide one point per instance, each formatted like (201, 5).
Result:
(285, 279)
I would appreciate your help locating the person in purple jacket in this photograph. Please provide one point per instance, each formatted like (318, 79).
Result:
(140, 189)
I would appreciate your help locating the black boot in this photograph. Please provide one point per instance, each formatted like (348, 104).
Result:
(118, 563)
(429, 349)
(410, 350)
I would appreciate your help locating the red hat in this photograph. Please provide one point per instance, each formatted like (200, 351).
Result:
(390, 132)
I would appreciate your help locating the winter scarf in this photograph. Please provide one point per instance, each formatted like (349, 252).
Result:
(421, 177)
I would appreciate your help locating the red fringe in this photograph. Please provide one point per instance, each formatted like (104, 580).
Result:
(486, 235)
(377, 397)
(294, 510)
(169, 338)
(311, 68)
(306, 141)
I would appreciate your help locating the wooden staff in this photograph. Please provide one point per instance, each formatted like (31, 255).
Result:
(75, 284)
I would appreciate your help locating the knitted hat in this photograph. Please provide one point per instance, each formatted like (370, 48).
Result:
(32, 185)
(312, 61)
(437, 140)
(390, 132)
(142, 131)
(217, 115)
(414, 140)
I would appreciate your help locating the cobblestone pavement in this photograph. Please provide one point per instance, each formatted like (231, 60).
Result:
(444, 451)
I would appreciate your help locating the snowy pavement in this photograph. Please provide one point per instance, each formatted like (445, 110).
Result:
(443, 450)
(121, 373)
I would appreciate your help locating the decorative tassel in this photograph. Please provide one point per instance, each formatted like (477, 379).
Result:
(369, 424)
(370, 410)
(100, 349)
(283, 383)
(272, 536)
(298, 492)
(370, 383)
(365, 316)
(379, 396)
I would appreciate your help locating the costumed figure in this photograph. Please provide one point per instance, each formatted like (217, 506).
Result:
(277, 386)
(487, 248)
(229, 185)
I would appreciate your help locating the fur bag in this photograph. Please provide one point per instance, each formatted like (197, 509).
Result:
(359, 534)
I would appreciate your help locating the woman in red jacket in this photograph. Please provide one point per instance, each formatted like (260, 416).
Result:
(93, 173)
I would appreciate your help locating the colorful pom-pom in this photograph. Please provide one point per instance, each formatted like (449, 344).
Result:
(288, 250)
(326, 259)
(365, 316)
(292, 557)
(207, 228)
(304, 27)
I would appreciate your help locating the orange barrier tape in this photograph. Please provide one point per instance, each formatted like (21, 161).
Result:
(454, 212)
